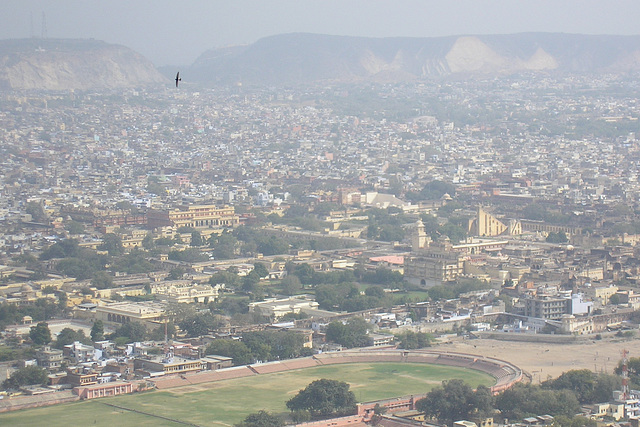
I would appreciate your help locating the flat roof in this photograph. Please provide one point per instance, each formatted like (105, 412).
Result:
(103, 385)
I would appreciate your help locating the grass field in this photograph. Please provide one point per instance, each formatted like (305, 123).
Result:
(227, 402)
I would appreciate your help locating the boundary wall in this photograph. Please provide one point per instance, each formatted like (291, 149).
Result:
(506, 374)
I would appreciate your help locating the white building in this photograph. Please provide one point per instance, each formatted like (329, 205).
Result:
(178, 292)
(276, 308)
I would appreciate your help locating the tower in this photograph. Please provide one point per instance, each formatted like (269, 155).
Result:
(44, 27)
(625, 375)
(420, 239)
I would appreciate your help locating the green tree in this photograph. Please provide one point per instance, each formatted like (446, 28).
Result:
(74, 227)
(49, 290)
(97, 331)
(102, 280)
(523, 400)
(455, 400)
(580, 381)
(231, 305)
(633, 366)
(375, 291)
(176, 273)
(132, 331)
(275, 345)
(333, 297)
(135, 262)
(304, 272)
(436, 189)
(37, 212)
(291, 285)
(40, 334)
(200, 324)
(410, 340)
(324, 398)
(112, 243)
(250, 282)
(188, 255)
(148, 243)
(158, 334)
(69, 336)
(237, 350)
(68, 248)
(62, 300)
(383, 276)
(260, 269)
(196, 239)
(351, 334)
(261, 419)
(226, 278)
(559, 237)
(29, 375)
(300, 417)
(224, 245)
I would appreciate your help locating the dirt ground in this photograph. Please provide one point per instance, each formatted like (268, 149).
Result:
(544, 361)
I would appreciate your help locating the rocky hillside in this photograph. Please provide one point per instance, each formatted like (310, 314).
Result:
(304, 58)
(52, 64)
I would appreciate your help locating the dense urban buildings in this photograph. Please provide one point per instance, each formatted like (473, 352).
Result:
(177, 227)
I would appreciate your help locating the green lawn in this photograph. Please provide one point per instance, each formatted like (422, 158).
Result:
(228, 402)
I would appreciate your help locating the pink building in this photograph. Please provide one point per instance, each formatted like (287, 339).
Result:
(103, 390)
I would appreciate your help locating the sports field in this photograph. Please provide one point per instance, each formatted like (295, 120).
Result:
(224, 403)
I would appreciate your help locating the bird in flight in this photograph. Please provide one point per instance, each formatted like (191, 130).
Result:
(178, 79)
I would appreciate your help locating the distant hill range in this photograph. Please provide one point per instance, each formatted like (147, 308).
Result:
(300, 58)
(304, 58)
(63, 64)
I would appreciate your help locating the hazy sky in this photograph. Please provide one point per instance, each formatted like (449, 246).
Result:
(176, 32)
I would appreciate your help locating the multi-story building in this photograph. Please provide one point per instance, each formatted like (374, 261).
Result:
(179, 292)
(430, 266)
(81, 378)
(167, 365)
(80, 353)
(548, 308)
(276, 308)
(124, 312)
(49, 358)
(433, 267)
(195, 216)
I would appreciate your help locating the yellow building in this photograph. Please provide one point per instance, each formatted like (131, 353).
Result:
(487, 225)
(125, 312)
(433, 267)
(277, 308)
(180, 292)
(167, 365)
(195, 216)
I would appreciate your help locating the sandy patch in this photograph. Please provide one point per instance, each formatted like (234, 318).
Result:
(544, 361)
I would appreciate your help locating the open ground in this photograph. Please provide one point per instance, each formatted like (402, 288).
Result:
(224, 403)
(544, 360)
(227, 402)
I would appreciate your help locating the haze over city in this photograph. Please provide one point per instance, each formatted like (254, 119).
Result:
(349, 213)
(176, 33)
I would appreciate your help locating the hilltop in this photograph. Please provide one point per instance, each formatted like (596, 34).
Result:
(63, 64)
(303, 58)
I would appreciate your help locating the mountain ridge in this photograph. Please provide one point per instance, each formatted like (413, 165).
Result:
(305, 58)
(69, 64)
(296, 58)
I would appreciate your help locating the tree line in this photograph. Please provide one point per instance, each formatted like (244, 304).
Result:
(455, 400)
